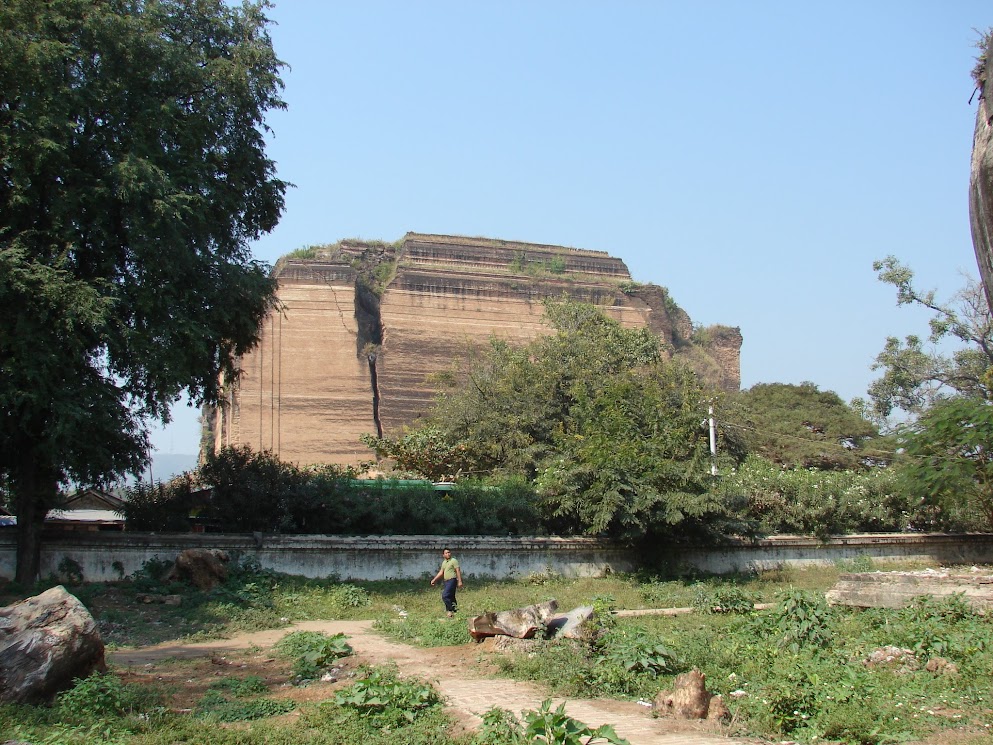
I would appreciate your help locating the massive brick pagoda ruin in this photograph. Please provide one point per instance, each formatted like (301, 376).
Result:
(362, 326)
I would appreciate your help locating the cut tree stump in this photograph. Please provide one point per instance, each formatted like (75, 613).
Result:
(520, 623)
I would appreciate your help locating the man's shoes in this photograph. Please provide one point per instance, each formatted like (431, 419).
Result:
(451, 614)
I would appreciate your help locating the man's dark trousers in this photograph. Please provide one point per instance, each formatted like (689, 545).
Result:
(448, 594)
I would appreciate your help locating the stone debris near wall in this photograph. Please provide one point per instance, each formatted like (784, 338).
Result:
(898, 589)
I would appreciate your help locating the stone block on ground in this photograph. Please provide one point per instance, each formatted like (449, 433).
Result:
(898, 589)
(46, 642)
(520, 623)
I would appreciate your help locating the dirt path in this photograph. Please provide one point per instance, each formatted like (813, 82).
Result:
(462, 675)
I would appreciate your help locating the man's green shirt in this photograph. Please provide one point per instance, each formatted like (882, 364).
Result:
(449, 566)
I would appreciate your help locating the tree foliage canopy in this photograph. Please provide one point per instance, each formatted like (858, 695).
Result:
(133, 175)
(612, 434)
(950, 462)
(916, 373)
(800, 426)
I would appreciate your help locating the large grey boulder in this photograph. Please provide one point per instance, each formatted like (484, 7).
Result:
(520, 623)
(46, 642)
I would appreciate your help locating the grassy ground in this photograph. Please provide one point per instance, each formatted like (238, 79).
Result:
(795, 672)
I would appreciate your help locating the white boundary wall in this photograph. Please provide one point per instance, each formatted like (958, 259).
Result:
(107, 556)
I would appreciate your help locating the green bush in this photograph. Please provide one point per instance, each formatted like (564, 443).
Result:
(101, 696)
(811, 502)
(801, 620)
(161, 507)
(555, 726)
(313, 651)
(387, 699)
(256, 492)
(722, 599)
(635, 650)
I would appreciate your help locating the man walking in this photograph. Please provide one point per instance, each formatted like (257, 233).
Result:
(451, 574)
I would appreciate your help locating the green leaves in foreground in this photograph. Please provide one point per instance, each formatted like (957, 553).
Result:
(314, 652)
(542, 727)
(388, 699)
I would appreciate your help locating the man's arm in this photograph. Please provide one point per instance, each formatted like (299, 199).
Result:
(458, 573)
(439, 575)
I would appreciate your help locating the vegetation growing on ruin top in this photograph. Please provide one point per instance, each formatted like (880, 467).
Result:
(983, 44)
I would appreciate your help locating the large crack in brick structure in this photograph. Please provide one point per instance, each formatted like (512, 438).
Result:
(328, 370)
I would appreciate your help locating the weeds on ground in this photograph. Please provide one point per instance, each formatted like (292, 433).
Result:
(313, 653)
(425, 631)
(386, 699)
(724, 598)
(103, 695)
(250, 685)
(217, 707)
(797, 671)
(381, 707)
(543, 726)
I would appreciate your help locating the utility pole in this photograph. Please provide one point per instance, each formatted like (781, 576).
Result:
(713, 440)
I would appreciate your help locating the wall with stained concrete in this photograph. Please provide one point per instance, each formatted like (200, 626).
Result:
(109, 556)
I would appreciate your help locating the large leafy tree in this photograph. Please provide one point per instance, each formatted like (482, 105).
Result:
(950, 463)
(918, 372)
(801, 426)
(133, 175)
(611, 433)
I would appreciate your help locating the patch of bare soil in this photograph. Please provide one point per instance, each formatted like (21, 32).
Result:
(466, 675)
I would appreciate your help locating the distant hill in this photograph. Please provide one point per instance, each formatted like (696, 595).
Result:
(166, 465)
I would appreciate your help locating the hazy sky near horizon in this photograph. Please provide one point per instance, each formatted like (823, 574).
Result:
(754, 158)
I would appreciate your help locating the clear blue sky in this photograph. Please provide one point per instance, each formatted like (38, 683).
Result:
(754, 158)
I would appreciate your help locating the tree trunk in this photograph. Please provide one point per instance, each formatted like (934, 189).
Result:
(35, 494)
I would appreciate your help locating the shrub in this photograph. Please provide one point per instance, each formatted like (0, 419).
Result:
(499, 727)
(801, 620)
(314, 652)
(722, 599)
(425, 631)
(101, 696)
(241, 687)
(812, 502)
(70, 571)
(548, 726)
(638, 651)
(161, 507)
(387, 699)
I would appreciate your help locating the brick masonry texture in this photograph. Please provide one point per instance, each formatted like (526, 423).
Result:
(362, 327)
